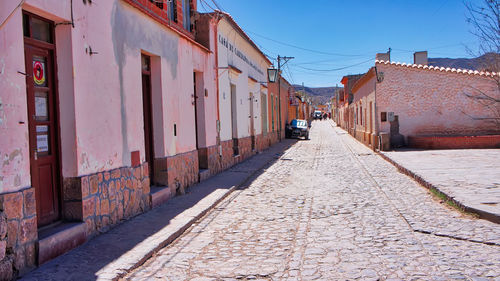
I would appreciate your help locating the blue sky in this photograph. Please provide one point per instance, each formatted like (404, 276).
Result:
(348, 33)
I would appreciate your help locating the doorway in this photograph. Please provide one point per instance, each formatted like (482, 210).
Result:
(199, 119)
(263, 108)
(234, 120)
(252, 117)
(147, 106)
(371, 124)
(44, 136)
(195, 103)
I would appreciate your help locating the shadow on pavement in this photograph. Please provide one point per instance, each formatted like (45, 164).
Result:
(125, 246)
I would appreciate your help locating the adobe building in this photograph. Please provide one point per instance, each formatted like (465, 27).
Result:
(243, 93)
(345, 113)
(279, 102)
(424, 106)
(98, 103)
(299, 107)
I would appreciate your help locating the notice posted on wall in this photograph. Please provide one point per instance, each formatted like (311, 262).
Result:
(42, 143)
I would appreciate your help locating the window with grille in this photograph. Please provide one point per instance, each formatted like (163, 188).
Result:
(172, 10)
(158, 3)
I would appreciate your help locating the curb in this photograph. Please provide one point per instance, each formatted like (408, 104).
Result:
(188, 224)
(176, 234)
(482, 214)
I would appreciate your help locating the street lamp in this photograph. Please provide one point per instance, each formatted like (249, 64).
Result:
(272, 74)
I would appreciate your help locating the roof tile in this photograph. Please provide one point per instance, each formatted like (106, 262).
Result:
(427, 67)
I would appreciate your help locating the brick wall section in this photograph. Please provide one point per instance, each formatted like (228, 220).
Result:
(454, 142)
(104, 199)
(433, 102)
(18, 232)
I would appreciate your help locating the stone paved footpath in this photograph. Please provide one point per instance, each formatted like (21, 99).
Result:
(330, 209)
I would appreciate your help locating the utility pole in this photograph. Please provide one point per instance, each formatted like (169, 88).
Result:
(285, 60)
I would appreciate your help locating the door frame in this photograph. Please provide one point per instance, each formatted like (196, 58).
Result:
(50, 47)
(149, 132)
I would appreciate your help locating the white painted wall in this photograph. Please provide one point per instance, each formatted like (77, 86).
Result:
(230, 44)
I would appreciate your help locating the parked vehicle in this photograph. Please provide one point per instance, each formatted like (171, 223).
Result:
(317, 115)
(297, 128)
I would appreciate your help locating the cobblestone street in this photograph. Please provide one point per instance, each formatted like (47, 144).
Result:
(330, 209)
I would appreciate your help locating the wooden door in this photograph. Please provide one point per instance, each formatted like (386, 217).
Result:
(252, 123)
(148, 115)
(43, 132)
(195, 103)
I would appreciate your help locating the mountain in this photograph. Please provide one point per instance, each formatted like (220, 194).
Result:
(479, 63)
(319, 95)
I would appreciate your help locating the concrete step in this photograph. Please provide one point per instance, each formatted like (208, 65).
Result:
(159, 195)
(204, 174)
(57, 240)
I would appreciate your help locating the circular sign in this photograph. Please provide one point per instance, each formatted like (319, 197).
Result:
(38, 73)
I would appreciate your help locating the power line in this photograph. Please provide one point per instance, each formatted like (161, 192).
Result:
(334, 69)
(304, 49)
(328, 62)
(203, 1)
(217, 5)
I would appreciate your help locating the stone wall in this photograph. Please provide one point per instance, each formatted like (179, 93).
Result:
(245, 147)
(227, 159)
(212, 158)
(6, 259)
(18, 233)
(179, 171)
(265, 141)
(104, 199)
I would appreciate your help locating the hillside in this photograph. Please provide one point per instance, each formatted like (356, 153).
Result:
(479, 63)
(320, 95)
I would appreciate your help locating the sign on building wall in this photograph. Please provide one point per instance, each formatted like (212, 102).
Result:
(240, 54)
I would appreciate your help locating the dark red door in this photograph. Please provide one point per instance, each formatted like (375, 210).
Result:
(148, 114)
(43, 132)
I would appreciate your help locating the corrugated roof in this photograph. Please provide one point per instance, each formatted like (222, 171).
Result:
(437, 68)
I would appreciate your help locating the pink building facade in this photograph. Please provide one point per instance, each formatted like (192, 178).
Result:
(106, 110)
(422, 106)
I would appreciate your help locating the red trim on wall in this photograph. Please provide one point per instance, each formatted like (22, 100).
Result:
(454, 142)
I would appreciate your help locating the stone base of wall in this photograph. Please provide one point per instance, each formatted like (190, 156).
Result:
(18, 233)
(245, 148)
(454, 142)
(367, 138)
(211, 156)
(179, 171)
(104, 199)
(265, 141)
(228, 158)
